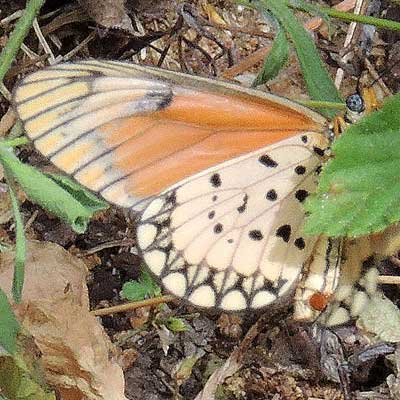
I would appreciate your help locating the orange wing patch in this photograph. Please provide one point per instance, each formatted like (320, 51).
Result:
(193, 133)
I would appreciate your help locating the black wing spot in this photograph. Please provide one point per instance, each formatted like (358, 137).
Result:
(304, 139)
(317, 150)
(242, 208)
(214, 198)
(271, 195)
(215, 180)
(268, 161)
(163, 99)
(218, 228)
(318, 169)
(211, 214)
(301, 195)
(300, 243)
(166, 223)
(284, 232)
(359, 288)
(256, 235)
(171, 198)
(300, 170)
(230, 240)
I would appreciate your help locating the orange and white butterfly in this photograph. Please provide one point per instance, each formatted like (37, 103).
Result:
(217, 171)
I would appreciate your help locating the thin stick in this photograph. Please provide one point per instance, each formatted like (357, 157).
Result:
(17, 14)
(349, 37)
(315, 22)
(389, 280)
(75, 50)
(132, 306)
(43, 42)
(108, 245)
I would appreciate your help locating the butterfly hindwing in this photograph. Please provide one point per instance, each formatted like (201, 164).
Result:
(231, 237)
(320, 279)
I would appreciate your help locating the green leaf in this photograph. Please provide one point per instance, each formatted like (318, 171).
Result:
(20, 378)
(144, 288)
(9, 326)
(359, 188)
(318, 82)
(78, 192)
(175, 324)
(275, 60)
(68, 205)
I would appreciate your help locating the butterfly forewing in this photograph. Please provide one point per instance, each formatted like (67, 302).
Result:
(129, 132)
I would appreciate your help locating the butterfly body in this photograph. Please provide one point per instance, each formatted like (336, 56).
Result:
(218, 172)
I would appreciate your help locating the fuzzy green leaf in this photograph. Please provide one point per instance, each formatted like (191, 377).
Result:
(86, 198)
(63, 201)
(359, 188)
(175, 324)
(144, 288)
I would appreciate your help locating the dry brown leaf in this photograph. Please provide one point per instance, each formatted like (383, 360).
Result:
(108, 13)
(77, 354)
(7, 121)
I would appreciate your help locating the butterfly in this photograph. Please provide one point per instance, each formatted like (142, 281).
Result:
(217, 172)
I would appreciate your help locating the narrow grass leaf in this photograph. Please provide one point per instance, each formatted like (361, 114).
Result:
(9, 326)
(20, 244)
(275, 60)
(359, 188)
(318, 82)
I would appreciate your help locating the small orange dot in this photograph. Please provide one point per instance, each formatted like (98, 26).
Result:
(319, 301)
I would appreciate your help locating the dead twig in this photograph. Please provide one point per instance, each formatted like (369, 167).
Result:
(389, 280)
(134, 305)
(108, 245)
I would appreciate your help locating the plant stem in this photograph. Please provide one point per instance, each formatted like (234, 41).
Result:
(20, 245)
(17, 36)
(363, 19)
